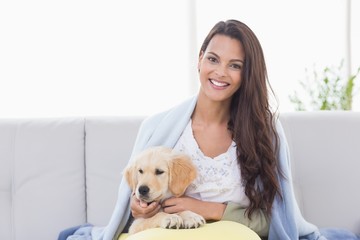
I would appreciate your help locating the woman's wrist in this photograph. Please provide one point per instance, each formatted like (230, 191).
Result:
(214, 211)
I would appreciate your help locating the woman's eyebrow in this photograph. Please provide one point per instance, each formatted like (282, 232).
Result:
(232, 60)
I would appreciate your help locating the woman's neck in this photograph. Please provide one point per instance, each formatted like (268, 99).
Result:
(210, 112)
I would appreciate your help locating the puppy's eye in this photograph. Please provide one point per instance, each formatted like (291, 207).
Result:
(141, 171)
(159, 172)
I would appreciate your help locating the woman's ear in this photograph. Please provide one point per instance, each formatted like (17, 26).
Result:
(182, 173)
(130, 176)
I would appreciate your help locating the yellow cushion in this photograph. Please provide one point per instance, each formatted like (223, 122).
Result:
(211, 231)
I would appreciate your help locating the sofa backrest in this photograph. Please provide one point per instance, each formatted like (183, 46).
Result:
(108, 148)
(325, 157)
(41, 177)
(58, 173)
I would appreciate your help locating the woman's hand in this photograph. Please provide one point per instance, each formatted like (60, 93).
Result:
(140, 209)
(209, 210)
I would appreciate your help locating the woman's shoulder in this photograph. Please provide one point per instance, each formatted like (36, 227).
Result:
(166, 123)
(278, 126)
(170, 114)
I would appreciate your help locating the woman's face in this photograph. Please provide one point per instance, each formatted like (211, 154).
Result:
(220, 68)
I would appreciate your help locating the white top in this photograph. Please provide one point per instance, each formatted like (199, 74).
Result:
(218, 178)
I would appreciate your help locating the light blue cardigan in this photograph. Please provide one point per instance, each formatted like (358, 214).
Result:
(165, 129)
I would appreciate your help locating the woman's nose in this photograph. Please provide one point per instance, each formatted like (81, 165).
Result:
(220, 71)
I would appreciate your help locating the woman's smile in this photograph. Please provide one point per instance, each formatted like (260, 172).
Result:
(218, 84)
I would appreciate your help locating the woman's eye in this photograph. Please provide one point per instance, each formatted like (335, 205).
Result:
(212, 59)
(159, 172)
(235, 66)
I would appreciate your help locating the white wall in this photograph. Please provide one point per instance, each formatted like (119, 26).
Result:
(77, 57)
(80, 57)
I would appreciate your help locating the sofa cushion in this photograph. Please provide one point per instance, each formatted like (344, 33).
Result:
(42, 161)
(325, 158)
(7, 135)
(109, 142)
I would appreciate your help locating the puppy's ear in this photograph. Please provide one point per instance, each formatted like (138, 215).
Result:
(130, 175)
(182, 173)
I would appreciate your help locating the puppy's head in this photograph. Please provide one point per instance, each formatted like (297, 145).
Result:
(158, 173)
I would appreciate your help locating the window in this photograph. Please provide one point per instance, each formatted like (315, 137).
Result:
(355, 47)
(80, 58)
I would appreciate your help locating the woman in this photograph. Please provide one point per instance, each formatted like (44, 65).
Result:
(229, 122)
(233, 97)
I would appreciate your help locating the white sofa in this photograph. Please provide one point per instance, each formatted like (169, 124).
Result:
(59, 173)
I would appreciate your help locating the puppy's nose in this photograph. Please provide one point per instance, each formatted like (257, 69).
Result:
(144, 190)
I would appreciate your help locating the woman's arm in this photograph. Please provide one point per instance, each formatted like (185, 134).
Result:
(213, 211)
(208, 210)
(141, 209)
(258, 223)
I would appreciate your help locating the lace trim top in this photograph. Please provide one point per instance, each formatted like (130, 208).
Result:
(218, 178)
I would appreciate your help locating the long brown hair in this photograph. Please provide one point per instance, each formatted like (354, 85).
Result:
(252, 123)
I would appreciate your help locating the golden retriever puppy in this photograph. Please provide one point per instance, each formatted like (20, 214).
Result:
(156, 174)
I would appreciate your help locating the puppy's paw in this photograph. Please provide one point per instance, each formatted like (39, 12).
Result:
(192, 220)
(173, 221)
(136, 226)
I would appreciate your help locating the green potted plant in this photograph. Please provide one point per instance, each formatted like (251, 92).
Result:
(329, 90)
